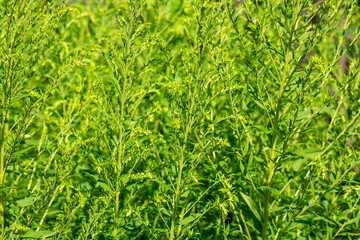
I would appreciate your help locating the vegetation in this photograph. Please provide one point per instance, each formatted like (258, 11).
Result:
(173, 119)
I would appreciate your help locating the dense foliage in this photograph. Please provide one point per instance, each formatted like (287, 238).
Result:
(179, 119)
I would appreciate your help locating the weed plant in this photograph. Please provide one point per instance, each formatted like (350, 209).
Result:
(179, 119)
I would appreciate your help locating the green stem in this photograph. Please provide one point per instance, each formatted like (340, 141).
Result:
(267, 194)
(177, 191)
(181, 166)
(2, 165)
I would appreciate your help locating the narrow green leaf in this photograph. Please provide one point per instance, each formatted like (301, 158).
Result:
(104, 186)
(251, 205)
(25, 202)
(309, 152)
(21, 152)
(38, 234)
(189, 219)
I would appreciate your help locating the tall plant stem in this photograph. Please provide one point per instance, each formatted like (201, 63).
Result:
(271, 162)
(181, 166)
(178, 186)
(122, 99)
(2, 165)
(120, 147)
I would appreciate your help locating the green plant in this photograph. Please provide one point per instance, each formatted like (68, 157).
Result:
(294, 96)
(179, 119)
